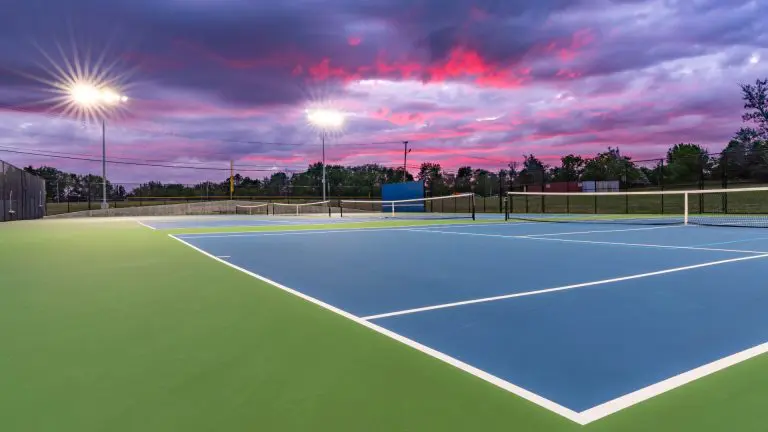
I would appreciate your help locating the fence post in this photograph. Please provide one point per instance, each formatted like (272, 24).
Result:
(701, 184)
(23, 202)
(501, 191)
(661, 183)
(724, 180)
(2, 192)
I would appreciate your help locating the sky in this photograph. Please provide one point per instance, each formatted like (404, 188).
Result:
(465, 82)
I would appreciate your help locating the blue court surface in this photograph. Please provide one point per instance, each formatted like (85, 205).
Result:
(580, 318)
(224, 221)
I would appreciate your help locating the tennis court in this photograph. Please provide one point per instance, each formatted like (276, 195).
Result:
(583, 320)
(551, 316)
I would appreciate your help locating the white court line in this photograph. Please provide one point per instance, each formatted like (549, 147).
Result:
(647, 245)
(608, 231)
(668, 384)
(279, 222)
(532, 237)
(506, 385)
(145, 225)
(562, 288)
(734, 241)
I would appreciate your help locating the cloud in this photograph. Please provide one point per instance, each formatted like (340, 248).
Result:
(477, 82)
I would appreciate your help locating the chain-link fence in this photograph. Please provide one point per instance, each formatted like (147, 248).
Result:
(69, 195)
(23, 194)
(729, 169)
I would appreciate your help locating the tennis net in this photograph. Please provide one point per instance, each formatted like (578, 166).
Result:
(255, 209)
(444, 207)
(319, 208)
(747, 207)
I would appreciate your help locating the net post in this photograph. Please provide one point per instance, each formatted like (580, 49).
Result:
(685, 208)
(724, 185)
(472, 204)
(329, 208)
(393, 208)
(506, 208)
(626, 203)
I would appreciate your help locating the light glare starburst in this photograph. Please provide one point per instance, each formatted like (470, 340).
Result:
(79, 85)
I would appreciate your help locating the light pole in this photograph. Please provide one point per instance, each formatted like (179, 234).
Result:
(98, 98)
(406, 150)
(322, 138)
(325, 120)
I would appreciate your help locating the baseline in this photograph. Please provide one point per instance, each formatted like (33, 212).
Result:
(653, 390)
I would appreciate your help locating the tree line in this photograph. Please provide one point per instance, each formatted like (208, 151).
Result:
(744, 159)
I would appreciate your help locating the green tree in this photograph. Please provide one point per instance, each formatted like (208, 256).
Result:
(534, 171)
(757, 160)
(482, 182)
(735, 157)
(570, 169)
(463, 182)
(432, 176)
(755, 97)
(611, 165)
(687, 163)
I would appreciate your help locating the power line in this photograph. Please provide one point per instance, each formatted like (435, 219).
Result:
(129, 163)
(55, 153)
(162, 164)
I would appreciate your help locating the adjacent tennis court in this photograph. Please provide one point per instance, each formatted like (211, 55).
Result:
(582, 320)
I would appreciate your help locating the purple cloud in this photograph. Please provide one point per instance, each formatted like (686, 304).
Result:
(478, 82)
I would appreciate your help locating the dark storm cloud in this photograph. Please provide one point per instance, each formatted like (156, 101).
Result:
(261, 53)
(224, 77)
(240, 56)
(264, 54)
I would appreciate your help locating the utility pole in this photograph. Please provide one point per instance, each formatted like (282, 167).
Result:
(231, 179)
(406, 150)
